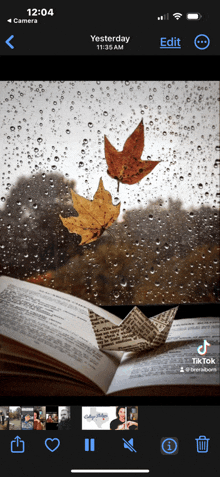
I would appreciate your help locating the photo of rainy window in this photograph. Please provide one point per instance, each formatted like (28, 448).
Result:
(142, 161)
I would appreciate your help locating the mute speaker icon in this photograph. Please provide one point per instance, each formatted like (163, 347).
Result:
(129, 445)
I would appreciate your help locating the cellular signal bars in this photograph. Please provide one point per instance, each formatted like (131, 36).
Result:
(164, 17)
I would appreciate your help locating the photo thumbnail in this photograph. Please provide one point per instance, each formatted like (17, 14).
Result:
(110, 418)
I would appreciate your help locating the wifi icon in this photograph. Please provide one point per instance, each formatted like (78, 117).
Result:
(177, 16)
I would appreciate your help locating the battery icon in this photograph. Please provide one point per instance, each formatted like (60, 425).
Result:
(193, 16)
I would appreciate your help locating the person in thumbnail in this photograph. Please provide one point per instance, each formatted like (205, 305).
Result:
(26, 423)
(64, 414)
(49, 419)
(38, 426)
(119, 423)
(65, 421)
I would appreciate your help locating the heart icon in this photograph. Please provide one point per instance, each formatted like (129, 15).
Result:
(49, 443)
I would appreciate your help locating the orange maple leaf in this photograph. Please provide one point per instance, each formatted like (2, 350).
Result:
(95, 216)
(126, 166)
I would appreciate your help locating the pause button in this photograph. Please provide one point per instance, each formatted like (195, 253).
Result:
(89, 445)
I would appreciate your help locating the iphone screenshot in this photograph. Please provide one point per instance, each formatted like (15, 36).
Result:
(109, 239)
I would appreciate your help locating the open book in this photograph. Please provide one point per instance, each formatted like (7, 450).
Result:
(48, 347)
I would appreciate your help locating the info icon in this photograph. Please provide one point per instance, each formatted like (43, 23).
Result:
(169, 446)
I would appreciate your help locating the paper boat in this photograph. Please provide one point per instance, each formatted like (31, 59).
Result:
(135, 332)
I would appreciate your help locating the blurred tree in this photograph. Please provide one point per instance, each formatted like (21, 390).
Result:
(157, 254)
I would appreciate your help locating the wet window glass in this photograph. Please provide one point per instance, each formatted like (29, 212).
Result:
(161, 245)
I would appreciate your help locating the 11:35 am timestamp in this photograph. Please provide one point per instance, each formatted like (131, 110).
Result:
(110, 47)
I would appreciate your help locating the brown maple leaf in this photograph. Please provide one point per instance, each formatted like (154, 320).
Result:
(126, 166)
(95, 216)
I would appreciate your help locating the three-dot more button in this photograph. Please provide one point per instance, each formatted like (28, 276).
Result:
(202, 42)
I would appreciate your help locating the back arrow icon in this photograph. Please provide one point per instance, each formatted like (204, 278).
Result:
(8, 42)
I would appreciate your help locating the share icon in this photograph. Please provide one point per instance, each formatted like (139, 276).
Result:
(129, 445)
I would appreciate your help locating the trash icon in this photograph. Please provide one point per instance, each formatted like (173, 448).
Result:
(202, 444)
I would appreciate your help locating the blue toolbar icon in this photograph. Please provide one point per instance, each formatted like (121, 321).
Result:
(169, 445)
(202, 443)
(89, 445)
(129, 445)
(52, 444)
(17, 446)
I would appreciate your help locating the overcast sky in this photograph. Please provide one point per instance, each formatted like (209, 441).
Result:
(60, 127)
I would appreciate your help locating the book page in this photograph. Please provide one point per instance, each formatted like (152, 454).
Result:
(58, 325)
(175, 362)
